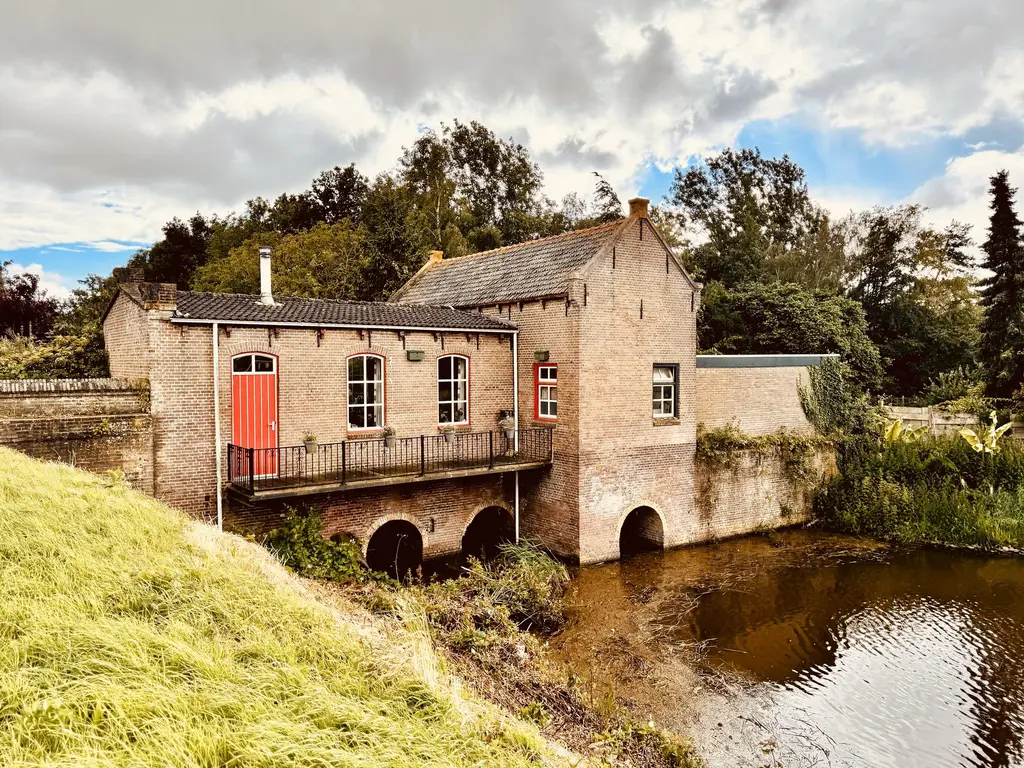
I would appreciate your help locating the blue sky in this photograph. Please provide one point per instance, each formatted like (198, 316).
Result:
(109, 131)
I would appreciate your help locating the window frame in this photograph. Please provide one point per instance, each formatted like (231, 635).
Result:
(252, 367)
(538, 382)
(674, 400)
(452, 380)
(383, 393)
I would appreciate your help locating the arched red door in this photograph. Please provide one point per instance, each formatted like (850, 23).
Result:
(254, 409)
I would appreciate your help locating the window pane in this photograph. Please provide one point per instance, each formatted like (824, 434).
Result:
(356, 417)
(553, 407)
(460, 392)
(242, 364)
(444, 391)
(657, 407)
(444, 368)
(355, 368)
(460, 367)
(553, 393)
(355, 394)
(543, 409)
(374, 393)
(460, 413)
(373, 369)
(663, 373)
(264, 363)
(373, 416)
(444, 412)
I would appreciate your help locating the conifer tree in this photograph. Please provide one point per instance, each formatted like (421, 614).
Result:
(1002, 328)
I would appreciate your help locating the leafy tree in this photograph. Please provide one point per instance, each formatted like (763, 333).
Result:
(323, 262)
(1002, 329)
(79, 355)
(395, 245)
(24, 307)
(746, 208)
(179, 254)
(607, 206)
(785, 318)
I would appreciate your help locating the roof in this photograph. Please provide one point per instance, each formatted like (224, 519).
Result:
(196, 306)
(530, 270)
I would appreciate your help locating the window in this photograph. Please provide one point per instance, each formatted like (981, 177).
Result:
(452, 390)
(665, 391)
(547, 392)
(252, 364)
(365, 392)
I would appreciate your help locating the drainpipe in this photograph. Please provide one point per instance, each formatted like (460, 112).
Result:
(216, 424)
(515, 416)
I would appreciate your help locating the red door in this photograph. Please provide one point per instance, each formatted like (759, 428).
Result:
(254, 409)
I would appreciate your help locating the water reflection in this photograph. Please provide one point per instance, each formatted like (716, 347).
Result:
(858, 655)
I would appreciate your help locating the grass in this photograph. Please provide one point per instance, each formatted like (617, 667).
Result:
(132, 637)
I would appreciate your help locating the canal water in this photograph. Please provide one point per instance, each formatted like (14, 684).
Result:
(810, 649)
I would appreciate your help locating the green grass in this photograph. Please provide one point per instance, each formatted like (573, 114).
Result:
(132, 637)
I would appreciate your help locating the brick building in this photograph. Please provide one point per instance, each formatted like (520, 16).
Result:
(585, 342)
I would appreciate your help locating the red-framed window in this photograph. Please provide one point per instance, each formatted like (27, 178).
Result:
(545, 378)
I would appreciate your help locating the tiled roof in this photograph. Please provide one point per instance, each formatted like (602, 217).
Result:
(235, 307)
(529, 270)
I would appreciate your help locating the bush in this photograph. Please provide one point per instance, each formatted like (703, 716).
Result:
(936, 490)
(299, 544)
(71, 356)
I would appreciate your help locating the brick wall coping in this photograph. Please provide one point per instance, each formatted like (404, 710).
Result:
(761, 361)
(42, 386)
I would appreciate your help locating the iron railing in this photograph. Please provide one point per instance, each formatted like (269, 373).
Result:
(363, 461)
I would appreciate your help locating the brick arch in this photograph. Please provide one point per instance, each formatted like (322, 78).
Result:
(233, 348)
(629, 509)
(364, 540)
(472, 516)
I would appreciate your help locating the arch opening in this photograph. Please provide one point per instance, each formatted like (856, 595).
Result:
(641, 531)
(396, 548)
(490, 528)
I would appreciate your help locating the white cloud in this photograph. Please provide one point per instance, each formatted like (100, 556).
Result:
(53, 284)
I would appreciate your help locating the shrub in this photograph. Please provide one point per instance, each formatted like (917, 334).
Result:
(300, 545)
(61, 357)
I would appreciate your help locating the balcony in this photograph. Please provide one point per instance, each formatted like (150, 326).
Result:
(269, 473)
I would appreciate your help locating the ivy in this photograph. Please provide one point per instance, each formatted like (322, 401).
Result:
(721, 448)
(831, 403)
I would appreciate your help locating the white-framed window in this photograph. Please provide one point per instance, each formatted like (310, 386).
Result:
(365, 392)
(453, 389)
(665, 391)
(253, 363)
(546, 378)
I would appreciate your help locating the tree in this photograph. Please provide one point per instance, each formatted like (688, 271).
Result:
(607, 206)
(179, 254)
(1002, 297)
(25, 308)
(776, 318)
(746, 208)
(324, 262)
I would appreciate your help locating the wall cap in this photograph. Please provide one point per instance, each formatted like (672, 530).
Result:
(761, 361)
(42, 386)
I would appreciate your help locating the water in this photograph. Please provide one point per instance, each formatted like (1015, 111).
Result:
(812, 649)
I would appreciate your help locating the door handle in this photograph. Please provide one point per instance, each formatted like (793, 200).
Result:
(273, 426)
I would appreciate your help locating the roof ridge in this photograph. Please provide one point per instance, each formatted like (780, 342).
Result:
(548, 239)
(256, 296)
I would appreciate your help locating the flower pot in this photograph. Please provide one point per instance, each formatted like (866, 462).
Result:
(509, 434)
(310, 446)
(449, 437)
(389, 442)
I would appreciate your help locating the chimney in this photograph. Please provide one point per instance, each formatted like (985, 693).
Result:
(266, 296)
(127, 275)
(638, 207)
(435, 258)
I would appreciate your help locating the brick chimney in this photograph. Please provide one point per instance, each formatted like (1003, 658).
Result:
(159, 295)
(638, 207)
(435, 258)
(128, 275)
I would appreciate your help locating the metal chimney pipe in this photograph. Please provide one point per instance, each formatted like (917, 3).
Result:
(266, 295)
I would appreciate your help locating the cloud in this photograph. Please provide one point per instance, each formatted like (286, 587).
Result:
(118, 115)
(52, 284)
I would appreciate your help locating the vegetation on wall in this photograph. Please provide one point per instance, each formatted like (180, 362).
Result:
(722, 447)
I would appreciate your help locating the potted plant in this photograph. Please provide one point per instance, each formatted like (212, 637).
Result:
(309, 440)
(509, 425)
(448, 430)
(389, 436)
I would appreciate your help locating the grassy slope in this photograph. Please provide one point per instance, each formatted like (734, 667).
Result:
(129, 636)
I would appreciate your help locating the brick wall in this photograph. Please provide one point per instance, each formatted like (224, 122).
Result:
(759, 400)
(126, 337)
(441, 510)
(95, 424)
(755, 494)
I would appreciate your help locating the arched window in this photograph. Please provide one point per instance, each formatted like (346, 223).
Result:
(453, 390)
(365, 392)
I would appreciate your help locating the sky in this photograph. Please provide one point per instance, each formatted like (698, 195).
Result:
(116, 116)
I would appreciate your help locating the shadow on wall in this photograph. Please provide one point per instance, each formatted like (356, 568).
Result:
(641, 531)
(491, 528)
(396, 548)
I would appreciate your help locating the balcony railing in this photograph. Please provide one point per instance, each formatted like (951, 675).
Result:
(373, 462)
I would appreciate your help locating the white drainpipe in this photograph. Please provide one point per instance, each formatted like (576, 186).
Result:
(515, 416)
(216, 425)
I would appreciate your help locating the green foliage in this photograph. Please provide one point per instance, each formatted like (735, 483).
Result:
(830, 403)
(961, 382)
(61, 357)
(935, 490)
(720, 448)
(646, 743)
(25, 308)
(777, 319)
(134, 637)
(299, 544)
(1002, 329)
(987, 441)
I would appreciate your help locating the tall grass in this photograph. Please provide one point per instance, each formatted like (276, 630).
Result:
(130, 637)
(937, 490)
